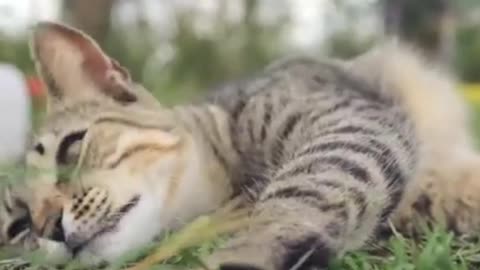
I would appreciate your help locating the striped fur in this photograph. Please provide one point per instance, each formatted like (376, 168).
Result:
(325, 151)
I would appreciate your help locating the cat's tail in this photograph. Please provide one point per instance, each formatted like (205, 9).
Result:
(447, 186)
(428, 91)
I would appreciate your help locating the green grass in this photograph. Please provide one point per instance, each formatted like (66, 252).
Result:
(437, 250)
(476, 124)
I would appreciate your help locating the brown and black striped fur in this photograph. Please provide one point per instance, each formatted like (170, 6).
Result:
(324, 153)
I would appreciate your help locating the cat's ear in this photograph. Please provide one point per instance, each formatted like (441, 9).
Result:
(75, 68)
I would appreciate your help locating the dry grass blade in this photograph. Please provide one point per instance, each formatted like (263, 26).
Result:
(203, 229)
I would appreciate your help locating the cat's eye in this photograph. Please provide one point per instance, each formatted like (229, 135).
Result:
(69, 148)
(18, 226)
(68, 154)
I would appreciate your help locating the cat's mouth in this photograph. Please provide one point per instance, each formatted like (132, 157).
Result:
(110, 226)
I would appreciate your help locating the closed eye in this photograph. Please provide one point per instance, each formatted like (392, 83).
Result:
(64, 153)
(18, 226)
(67, 154)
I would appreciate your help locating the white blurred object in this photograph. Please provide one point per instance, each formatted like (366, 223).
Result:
(15, 107)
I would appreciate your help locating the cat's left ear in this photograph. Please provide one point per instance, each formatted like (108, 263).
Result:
(75, 68)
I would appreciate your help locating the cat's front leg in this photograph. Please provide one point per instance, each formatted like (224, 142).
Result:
(285, 242)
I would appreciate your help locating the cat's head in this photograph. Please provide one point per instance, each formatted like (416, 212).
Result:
(109, 169)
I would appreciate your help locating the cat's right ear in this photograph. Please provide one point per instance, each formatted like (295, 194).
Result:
(74, 68)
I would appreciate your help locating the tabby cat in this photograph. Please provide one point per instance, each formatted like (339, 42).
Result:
(326, 152)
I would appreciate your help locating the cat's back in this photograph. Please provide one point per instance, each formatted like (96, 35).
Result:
(295, 100)
(299, 79)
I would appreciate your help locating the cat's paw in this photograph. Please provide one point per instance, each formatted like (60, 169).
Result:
(446, 196)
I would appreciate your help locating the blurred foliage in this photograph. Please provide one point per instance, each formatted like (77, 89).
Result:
(468, 52)
(16, 51)
(348, 39)
(178, 67)
(420, 22)
(180, 64)
(346, 44)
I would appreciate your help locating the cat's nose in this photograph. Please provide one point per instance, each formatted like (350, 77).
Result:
(46, 214)
(58, 233)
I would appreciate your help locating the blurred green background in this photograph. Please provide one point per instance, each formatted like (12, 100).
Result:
(179, 48)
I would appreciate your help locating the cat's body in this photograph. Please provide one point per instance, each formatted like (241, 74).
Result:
(316, 142)
(306, 139)
(324, 151)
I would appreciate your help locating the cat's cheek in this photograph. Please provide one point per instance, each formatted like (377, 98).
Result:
(138, 228)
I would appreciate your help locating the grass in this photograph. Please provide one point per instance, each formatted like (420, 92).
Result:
(439, 250)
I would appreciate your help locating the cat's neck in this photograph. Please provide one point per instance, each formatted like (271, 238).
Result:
(211, 133)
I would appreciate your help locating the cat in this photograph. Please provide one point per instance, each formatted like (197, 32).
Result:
(325, 152)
